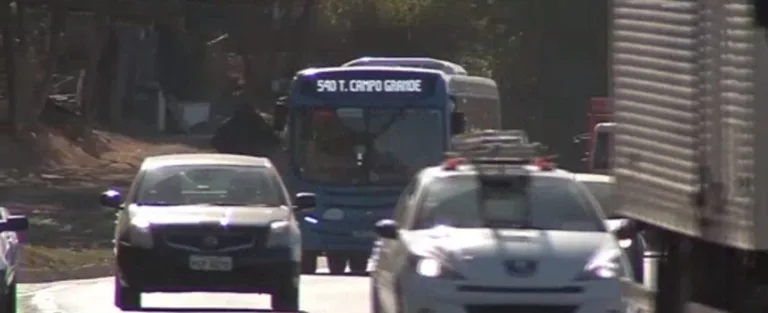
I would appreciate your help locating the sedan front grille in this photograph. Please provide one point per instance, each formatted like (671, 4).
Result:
(215, 239)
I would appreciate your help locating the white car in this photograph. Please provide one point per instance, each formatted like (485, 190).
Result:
(541, 248)
(602, 188)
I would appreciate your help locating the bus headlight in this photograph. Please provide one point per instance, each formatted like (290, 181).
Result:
(333, 214)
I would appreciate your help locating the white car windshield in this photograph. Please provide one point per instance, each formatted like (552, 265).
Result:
(602, 192)
(211, 184)
(549, 203)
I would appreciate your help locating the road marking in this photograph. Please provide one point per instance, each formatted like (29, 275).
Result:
(43, 300)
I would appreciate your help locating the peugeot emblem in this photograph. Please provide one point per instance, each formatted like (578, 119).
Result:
(521, 268)
(210, 242)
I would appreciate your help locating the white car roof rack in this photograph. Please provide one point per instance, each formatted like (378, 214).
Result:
(510, 147)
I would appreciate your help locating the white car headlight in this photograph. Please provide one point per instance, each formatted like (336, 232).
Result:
(430, 267)
(605, 264)
(139, 233)
(280, 234)
(333, 214)
(625, 243)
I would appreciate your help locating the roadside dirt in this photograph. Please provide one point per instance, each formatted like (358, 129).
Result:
(55, 181)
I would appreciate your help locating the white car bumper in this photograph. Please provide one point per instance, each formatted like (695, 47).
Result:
(429, 295)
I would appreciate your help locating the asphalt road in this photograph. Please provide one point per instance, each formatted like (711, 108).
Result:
(320, 294)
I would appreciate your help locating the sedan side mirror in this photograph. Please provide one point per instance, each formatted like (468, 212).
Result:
(15, 223)
(387, 229)
(304, 201)
(111, 199)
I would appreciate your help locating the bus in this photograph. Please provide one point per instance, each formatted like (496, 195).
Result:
(355, 136)
(477, 97)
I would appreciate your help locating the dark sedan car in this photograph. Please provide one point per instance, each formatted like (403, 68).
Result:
(9, 252)
(207, 223)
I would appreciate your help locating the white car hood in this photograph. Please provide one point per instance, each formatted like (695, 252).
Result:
(480, 254)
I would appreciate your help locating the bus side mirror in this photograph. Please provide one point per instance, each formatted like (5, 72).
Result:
(458, 123)
(279, 116)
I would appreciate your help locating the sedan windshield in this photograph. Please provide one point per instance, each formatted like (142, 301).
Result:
(209, 184)
(366, 146)
(548, 203)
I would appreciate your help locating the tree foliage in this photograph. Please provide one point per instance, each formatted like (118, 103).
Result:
(548, 57)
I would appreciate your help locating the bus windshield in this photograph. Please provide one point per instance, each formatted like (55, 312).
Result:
(366, 146)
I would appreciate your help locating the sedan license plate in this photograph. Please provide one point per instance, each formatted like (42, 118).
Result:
(364, 234)
(210, 263)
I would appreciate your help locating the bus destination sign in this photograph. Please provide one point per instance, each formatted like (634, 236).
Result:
(368, 85)
(337, 85)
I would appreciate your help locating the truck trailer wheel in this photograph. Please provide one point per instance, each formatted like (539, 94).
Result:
(337, 263)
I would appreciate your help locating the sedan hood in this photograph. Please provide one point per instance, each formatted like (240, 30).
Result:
(484, 254)
(204, 214)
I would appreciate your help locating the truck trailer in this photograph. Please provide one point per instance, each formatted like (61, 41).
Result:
(689, 85)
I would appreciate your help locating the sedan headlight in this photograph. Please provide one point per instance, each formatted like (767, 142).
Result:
(605, 264)
(434, 268)
(280, 234)
(140, 234)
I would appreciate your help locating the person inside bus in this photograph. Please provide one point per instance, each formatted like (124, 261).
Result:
(331, 149)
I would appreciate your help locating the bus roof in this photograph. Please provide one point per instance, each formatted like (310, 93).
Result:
(428, 63)
(473, 86)
(322, 70)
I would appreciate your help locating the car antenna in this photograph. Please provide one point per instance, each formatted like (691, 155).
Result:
(501, 159)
